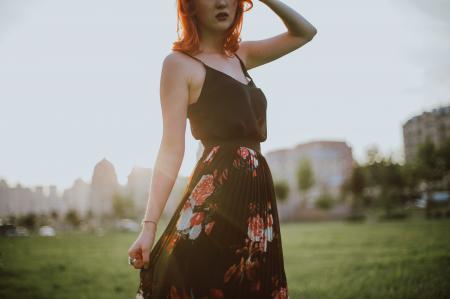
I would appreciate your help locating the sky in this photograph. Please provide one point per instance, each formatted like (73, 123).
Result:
(79, 80)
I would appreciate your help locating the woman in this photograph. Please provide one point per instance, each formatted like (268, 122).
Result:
(223, 240)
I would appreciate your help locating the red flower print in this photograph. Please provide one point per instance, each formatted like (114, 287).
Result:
(236, 163)
(281, 294)
(280, 291)
(232, 271)
(269, 220)
(243, 152)
(209, 227)
(248, 159)
(268, 231)
(190, 224)
(172, 241)
(223, 176)
(248, 266)
(251, 268)
(255, 227)
(214, 206)
(203, 189)
(263, 244)
(197, 218)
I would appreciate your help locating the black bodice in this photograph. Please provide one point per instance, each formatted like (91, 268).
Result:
(228, 108)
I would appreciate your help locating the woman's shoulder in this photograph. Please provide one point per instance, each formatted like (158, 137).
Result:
(181, 62)
(178, 66)
(178, 59)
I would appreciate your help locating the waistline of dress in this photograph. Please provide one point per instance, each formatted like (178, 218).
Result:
(253, 144)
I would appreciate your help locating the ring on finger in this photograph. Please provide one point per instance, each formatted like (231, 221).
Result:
(131, 260)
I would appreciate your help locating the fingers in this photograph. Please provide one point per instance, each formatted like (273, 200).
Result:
(138, 264)
(133, 252)
(145, 255)
(135, 255)
(135, 259)
(140, 256)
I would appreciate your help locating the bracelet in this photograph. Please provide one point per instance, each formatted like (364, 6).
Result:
(145, 221)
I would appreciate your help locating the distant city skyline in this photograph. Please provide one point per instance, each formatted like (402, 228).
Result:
(330, 162)
(79, 81)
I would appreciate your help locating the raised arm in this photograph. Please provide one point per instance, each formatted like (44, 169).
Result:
(299, 32)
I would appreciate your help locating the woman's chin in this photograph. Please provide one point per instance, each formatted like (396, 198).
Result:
(222, 26)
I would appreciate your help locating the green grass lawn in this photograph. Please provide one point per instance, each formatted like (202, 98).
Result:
(407, 259)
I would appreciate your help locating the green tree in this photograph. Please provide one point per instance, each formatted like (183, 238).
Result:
(410, 179)
(123, 206)
(43, 219)
(281, 190)
(431, 168)
(356, 185)
(325, 201)
(386, 178)
(54, 215)
(30, 221)
(73, 218)
(305, 179)
(392, 182)
(443, 155)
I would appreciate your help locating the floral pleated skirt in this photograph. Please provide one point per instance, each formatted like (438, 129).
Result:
(223, 241)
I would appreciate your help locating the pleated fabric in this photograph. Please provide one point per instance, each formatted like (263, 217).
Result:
(223, 241)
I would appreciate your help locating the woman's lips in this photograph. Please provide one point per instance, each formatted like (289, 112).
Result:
(222, 16)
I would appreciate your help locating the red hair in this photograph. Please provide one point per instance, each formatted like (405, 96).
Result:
(189, 40)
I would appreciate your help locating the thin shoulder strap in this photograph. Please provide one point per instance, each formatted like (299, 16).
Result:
(199, 60)
(244, 69)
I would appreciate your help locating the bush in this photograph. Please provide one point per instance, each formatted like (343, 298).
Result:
(399, 215)
(324, 202)
(356, 218)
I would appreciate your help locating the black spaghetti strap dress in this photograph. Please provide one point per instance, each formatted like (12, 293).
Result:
(223, 241)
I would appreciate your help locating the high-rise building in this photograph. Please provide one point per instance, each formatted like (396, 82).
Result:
(434, 125)
(331, 164)
(104, 186)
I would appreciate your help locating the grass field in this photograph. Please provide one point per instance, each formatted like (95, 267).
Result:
(390, 260)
